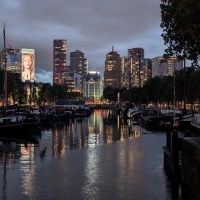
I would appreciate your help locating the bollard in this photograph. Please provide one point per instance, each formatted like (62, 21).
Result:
(175, 152)
(167, 149)
(168, 135)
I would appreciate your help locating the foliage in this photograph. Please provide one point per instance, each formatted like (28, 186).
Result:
(41, 93)
(194, 86)
(108, 93)
(181, 28)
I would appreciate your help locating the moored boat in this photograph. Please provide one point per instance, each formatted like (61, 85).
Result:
(151, 119)
(17, 123)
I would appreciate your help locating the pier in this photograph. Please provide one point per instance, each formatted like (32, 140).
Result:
(182, 161)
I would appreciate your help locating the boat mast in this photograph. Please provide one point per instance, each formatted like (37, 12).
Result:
(5, 70)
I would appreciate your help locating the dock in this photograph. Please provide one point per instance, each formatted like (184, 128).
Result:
(182, 161)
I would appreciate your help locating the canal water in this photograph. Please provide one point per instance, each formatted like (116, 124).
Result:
(101, 157)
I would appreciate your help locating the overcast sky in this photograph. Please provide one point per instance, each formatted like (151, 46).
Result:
(92, 26)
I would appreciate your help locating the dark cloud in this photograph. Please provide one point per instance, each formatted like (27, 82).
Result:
(91, 26)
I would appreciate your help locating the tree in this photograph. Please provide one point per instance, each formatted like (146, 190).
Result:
(152, 89)
(181, 28)
(41, 93)
(194, 86)
(181, 31)
(108, 93)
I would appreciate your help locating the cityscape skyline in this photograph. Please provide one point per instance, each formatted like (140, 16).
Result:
(94, 31)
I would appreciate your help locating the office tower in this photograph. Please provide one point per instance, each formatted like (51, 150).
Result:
(13, 60)
(77, 65)
(147, 69)
(165, 67)
(126, 73)
(59, 59)
(136, 53)
(73, 82)
(93, 86)
(112, 73)
(136, 56)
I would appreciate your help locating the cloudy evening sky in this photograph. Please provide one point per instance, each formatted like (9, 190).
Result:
(92, 26)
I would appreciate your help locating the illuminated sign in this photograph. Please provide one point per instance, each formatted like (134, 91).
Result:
(93, 72)
(28, 65)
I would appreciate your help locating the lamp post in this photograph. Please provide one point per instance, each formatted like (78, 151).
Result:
(174, 58)
(14, 89)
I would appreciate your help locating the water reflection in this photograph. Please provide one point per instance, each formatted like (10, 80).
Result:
(127, 167)
(100, 128)
(16, 155)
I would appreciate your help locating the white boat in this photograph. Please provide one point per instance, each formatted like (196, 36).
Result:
(133, 111)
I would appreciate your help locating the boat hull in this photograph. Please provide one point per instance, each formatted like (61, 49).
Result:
(18, 127)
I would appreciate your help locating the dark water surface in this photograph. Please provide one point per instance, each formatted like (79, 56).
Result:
(100, 157)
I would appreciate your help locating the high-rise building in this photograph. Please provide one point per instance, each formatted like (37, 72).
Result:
(165, 67)
(136, 53)
(59, 59)
(147, 69)
(13, 60)
(136, 56)
(126, 73)
(77, 65)
(73, 82)
(112, 73)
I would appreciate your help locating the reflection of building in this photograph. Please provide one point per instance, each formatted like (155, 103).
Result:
(95, 124)
(93, 86)
(13, 60)
(112, 73)
(162, 67)
(59, 59)
(58, 139)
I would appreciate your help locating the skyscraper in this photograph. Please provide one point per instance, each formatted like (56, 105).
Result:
(112, 73)
(13, 60)
(77, 65)
(59, 59)
(135, 53)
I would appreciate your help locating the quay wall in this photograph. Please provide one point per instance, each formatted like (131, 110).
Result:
(190, 166)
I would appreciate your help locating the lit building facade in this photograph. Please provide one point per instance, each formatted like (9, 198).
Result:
(59, 59)
(165, 67)
(112, 72)
(93, 86)
(126, 73)
(136, 53)
(77, 65)
(72, 81)
(147, 69)
(13, 60)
